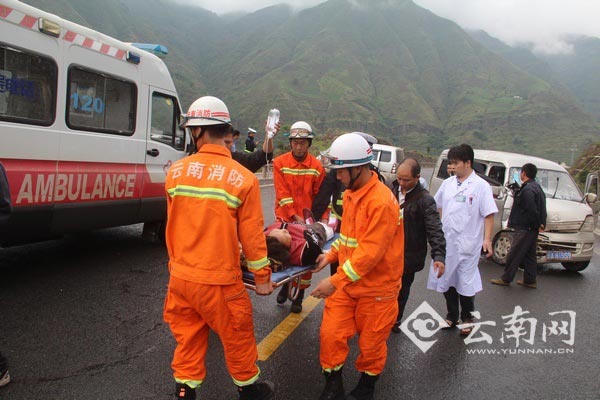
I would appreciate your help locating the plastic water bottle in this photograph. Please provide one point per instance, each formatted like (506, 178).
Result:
(272, 120)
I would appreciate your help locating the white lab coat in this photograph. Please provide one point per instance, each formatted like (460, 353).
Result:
(464, 209)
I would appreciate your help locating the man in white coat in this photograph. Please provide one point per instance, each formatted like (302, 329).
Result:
(466, 205)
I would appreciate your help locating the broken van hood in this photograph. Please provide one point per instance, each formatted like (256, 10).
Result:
(564, 211)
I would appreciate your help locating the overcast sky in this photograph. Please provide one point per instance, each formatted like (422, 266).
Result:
(541, 22)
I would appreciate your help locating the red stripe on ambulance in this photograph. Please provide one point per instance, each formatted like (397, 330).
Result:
(28, 21)
(36, 182)
(5, 11)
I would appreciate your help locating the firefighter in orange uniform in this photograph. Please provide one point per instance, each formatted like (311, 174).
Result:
(297, 176)
(213, 204)
(361, 295)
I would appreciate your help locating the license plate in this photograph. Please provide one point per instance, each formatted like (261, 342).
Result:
(558, 255)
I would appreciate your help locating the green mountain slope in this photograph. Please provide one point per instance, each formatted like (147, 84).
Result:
(387, 67)
(579, 71)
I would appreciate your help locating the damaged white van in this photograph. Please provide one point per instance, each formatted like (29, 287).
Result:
(89, 126)
(568, 237)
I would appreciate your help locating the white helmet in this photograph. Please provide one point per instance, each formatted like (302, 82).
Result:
(301, 130)
(207, 110)
(349, 150)
(369, 138)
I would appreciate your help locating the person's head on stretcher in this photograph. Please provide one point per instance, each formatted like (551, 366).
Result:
(279, 242)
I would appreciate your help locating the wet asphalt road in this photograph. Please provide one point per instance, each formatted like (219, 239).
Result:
(81, 318)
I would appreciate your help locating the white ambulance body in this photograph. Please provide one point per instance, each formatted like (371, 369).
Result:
(89, 126)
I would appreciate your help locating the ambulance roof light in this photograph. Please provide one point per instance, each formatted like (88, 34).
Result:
(133, 57)
(156, 49)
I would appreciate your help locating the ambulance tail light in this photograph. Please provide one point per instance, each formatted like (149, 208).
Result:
(49, 27)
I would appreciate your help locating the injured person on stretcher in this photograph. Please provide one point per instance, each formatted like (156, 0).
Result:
(292, 249)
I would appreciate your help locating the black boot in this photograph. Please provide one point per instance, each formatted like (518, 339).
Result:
(183, 391)
(257, 391)
(297, 304)
(365, 388)
(334, 386)
(283, 293)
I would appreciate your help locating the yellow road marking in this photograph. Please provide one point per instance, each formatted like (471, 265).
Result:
(269, 344)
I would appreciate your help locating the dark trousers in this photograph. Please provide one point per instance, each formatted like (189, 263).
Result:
(467, 305)
(407, 280)
(3, 364)
(522, 251)
(333, 267)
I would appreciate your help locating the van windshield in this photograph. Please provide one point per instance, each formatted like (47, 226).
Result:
(548, 180)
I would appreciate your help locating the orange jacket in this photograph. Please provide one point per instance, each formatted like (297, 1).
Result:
(296, 184)
(370, 248)
(213, 204)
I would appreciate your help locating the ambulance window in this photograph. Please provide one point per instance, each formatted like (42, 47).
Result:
(164, 127)
(100, 103)
(27, 87)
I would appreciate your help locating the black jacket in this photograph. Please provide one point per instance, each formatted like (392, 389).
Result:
(5, 205)
(422, 224)
(250, 144)
(529, 208)
(252, 161)
(331, 191)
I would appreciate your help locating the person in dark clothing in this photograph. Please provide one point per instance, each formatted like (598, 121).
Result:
(256, 159)
(250, 143)
(5, 210)
(421, 225)
(527, 218)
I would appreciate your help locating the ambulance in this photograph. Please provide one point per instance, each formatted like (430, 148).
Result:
(89, 126)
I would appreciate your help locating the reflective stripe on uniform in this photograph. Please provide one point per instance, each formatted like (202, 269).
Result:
(350, 272)
(336, 244)
(190, 383)
(336, 368)
(206, 193)
(256, 265)
(292, 171)
(248, 382)
(286, 201)
(348, 241)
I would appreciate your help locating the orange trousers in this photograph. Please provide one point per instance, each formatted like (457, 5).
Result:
(344, 316)
(191, 309)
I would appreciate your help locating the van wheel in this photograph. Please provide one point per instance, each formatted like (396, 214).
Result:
(575, 266)
(501, 247)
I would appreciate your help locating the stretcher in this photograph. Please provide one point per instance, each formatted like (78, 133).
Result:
(290, 274)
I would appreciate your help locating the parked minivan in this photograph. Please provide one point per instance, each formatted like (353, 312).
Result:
(89, 126)
(568, 237)
(386, 158)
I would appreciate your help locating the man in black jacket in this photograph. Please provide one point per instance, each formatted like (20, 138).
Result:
(5, 210)
(421, 225)
(527, 218)
(256, 159)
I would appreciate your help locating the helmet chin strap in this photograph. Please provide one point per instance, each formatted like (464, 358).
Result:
(352, 179)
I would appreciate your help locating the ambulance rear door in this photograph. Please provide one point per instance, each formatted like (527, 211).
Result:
(29, 137)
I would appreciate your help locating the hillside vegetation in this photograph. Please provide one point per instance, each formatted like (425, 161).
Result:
(387, 67)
